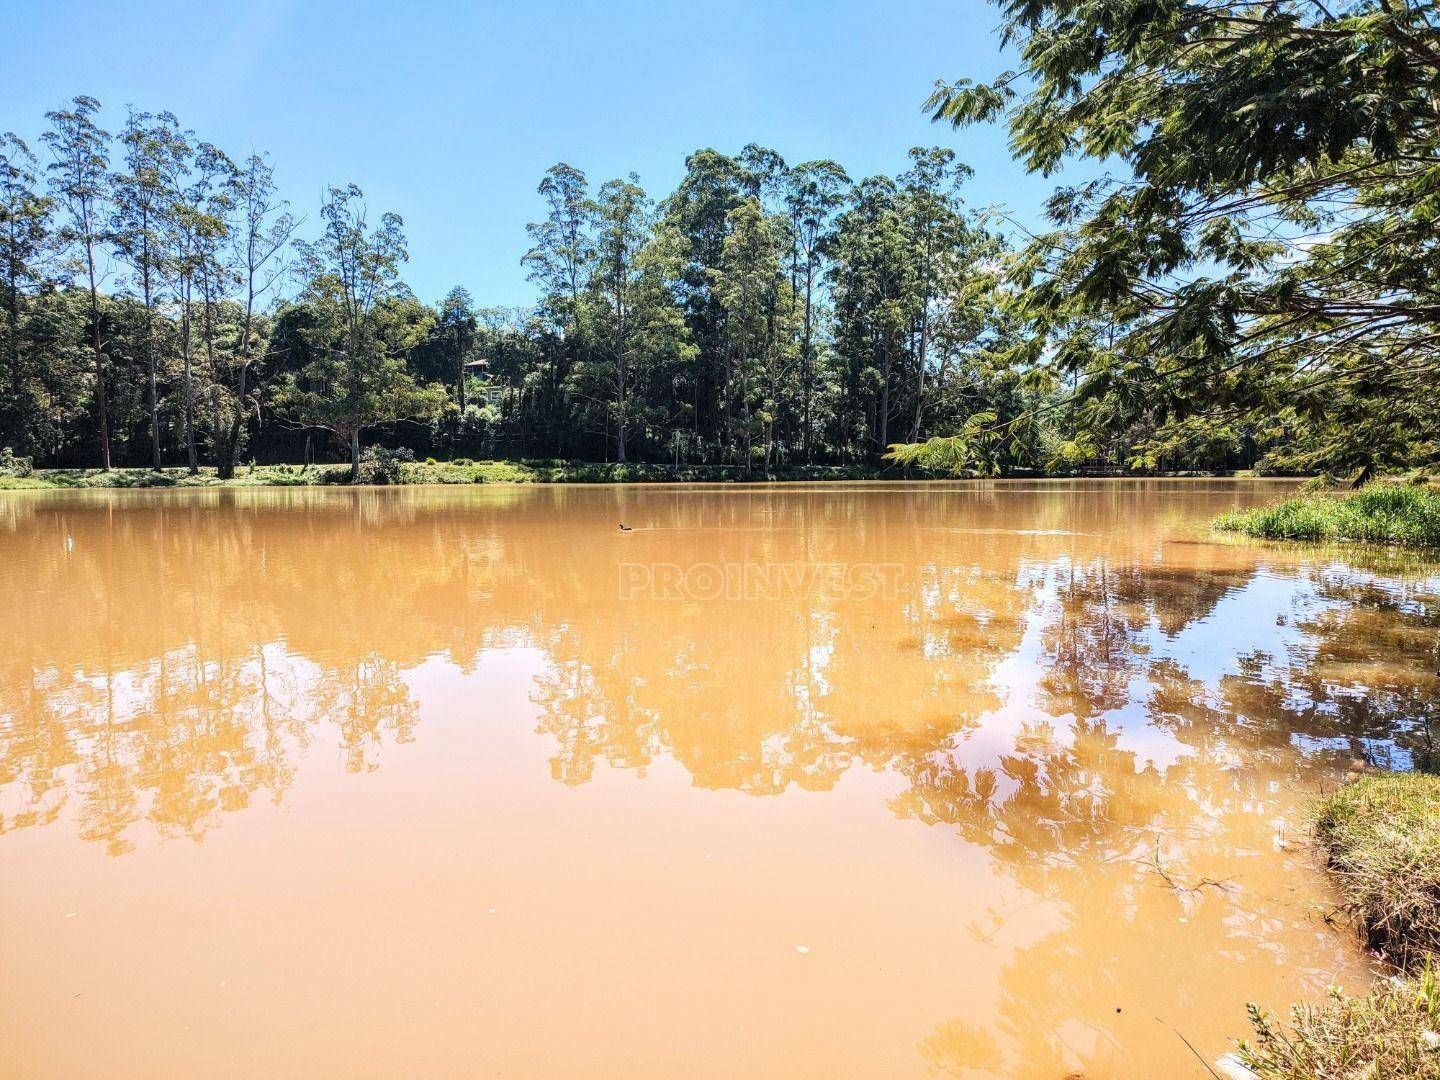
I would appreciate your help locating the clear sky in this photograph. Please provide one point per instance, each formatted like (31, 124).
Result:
(448, 112)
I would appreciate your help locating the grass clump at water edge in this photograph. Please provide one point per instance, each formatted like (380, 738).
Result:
(1382, 838)
(1383, 514)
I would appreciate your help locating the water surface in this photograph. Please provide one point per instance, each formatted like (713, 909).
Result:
(978, 780)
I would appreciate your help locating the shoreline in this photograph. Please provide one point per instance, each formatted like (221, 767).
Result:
(465, 472)
(1379, 836)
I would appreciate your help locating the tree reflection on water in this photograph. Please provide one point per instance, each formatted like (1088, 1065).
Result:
(1115, 709)
(181, 651)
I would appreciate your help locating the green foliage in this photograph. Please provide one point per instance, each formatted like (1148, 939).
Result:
(1382, 834)
(399, 467)
(356, 376)
(1382, 514)
(14, 466)
(1393, 1030)
(760, 316)
(379, 465)
(1264, 261)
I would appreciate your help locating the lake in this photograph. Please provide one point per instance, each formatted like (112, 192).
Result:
(851, 780)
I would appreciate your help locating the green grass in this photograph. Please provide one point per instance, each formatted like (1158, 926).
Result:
(1382, 514)
(460, 471)
(1389, 1033)
(1381, 835)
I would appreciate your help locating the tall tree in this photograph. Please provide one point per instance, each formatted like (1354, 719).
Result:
(937, 235)
(25, 242)
(713, 185)
(748, 283)
(559, 261)
(198, 228)
(458, 329)
(814, 195)
(354, 379)
(145, 194)
(261, 229)
(622, 218)
(80, 181)
(874, 288)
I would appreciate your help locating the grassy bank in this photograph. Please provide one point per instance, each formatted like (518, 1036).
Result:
(1382, 837)
(462, 471)
(1384, 514)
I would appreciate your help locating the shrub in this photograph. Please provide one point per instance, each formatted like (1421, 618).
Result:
(1382, 837)
(381, 465)
(1389, 1032)
(12, 464)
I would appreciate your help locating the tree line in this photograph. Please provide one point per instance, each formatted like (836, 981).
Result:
(163, 306)
(1253, 285)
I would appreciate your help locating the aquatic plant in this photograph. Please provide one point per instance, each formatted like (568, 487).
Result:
(1383, 514)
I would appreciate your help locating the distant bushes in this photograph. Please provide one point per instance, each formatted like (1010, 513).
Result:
(379, 465)
(13, 465)
(1383, 514)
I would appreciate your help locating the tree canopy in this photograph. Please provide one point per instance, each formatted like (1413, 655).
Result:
(1249, 285)
(1260, 261)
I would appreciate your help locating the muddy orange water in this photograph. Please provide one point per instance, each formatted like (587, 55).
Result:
(799, 781)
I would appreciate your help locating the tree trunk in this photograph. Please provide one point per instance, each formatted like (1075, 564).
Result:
(355, 456)
(152, 393)
(883, 420)
(230, 445)
(920, 378)
(622, 424)
(17, 428)
(806, 364)
(100, 397)
(191, 458)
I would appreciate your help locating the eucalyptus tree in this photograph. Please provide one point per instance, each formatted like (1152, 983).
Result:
(766, 176)
(261, 228)
(216, 275)
(356, 376)
(622, 227)
(748, 284)
(698, 209)
(144, 195)
(873, 282)
(80, 181)
(937, 235)
(198, 228)
(26, 244)
(1268, 248)
(458, 328)
(636, 328)
(815, 192)
(559, 262)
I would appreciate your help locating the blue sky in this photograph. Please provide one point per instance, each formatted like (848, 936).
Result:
(448, 112)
